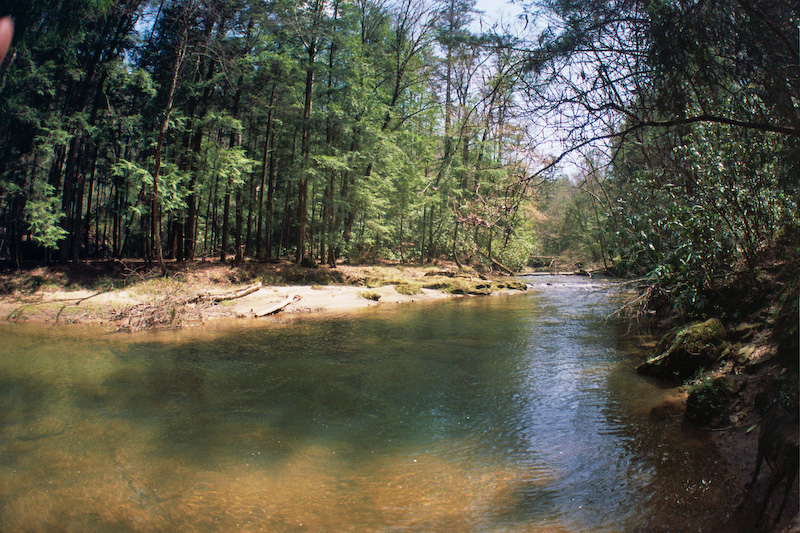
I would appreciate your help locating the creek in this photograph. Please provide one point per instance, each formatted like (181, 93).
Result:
(518, 413)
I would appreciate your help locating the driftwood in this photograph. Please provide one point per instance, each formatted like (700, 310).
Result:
(587, 273)
(502, 267)
(567, 273)
(17, 313)
(174, 310)
(217, 298)
(278, 307)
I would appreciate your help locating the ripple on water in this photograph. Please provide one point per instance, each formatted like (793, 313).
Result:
(506, 414)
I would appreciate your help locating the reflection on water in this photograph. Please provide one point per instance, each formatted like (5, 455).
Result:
(486, 414)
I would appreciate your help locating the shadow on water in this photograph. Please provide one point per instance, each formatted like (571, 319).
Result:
(518, 413)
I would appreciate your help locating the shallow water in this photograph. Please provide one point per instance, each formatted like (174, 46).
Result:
(517, 413)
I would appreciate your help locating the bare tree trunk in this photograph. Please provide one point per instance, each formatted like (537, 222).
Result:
(180, 51)
(235, 142)
(265, 161)
(226, 211)
(273, 170)
(305, 152)
(305, 146)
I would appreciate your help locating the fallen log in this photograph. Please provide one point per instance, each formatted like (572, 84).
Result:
(217, 298)
(502, 267)
(278, 307)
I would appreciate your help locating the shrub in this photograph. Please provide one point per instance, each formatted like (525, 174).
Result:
(370, 295)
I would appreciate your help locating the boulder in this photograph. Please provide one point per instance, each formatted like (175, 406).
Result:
(685, 350)
(510, 285)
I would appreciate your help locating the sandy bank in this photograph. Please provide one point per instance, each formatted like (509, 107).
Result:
(208, 291)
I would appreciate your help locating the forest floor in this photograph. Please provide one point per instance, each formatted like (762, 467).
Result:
(129, 295)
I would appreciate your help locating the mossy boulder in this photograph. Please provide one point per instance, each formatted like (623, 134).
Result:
(481, 288)
(682, 352)
(510, 285)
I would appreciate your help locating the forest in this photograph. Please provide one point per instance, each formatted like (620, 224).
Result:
(655, 138)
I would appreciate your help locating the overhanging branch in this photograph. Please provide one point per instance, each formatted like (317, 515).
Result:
(758, 126)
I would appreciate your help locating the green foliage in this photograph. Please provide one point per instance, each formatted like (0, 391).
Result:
(233, 166)
(43, 215)
(372, 151)
(570, 224)
(133, 172)
(690, 229)
(706, 394)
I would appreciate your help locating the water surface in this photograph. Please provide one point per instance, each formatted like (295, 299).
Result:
(517, 413)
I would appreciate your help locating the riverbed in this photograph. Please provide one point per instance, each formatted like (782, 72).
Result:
(509, 413)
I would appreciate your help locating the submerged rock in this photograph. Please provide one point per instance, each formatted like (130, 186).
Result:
(685, 350)
(670, 408)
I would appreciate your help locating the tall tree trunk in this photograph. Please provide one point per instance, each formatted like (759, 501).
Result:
(305, 153)
(235, 142)
(192, 213)
(327, 226)
(265, 164)
(305, 144)
(226, 210)
(87, 223)
(455, 242)
(348, 214)
(285, 222)
(273, 170)
(180, 51)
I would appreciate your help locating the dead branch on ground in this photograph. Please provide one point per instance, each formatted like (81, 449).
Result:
(280, 306)
(173, 310)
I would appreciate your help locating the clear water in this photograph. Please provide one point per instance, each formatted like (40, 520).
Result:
(518, 413)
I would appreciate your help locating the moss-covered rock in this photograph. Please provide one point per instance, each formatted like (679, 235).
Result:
(510, 285)
(682, 352)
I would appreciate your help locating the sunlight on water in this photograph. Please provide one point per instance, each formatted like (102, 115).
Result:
(499, 414)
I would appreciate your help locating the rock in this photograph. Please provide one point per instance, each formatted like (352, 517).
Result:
(743, 356)
(760, 356)
(745, 331)
(480, 290)
(731, 383)
(511, 285)
(685, 350)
